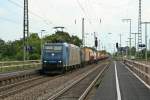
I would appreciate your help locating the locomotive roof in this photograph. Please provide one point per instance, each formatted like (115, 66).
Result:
(66, 44)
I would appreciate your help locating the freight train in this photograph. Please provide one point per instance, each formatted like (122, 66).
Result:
(61, 57)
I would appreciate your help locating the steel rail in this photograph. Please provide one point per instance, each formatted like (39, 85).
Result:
(84, 95)
(80, 78)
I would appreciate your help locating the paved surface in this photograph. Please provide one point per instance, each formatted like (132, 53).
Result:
(107, 88)
(130, 87)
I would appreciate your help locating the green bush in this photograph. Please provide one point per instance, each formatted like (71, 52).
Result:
(34, 57)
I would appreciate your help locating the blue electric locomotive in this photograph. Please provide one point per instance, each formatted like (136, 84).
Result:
(60, 57)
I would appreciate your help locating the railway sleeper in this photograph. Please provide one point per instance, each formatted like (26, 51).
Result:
(14, 79)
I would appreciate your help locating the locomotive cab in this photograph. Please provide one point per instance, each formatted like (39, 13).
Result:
(52, 58)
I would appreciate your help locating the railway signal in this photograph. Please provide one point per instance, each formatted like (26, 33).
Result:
(96, 42)
(141, 45)
(117, 45)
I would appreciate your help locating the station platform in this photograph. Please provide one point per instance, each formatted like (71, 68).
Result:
(119, 83)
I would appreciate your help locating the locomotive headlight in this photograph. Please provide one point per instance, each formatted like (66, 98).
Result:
(45, 61)
(60, 61)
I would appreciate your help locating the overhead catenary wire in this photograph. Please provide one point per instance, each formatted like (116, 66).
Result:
(46, 21)
(9, 20)
(15, 3)
(83, 10)
(31, 12)
(87, 15)
(90, 3)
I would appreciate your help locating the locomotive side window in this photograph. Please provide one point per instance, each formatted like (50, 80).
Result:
(53, 48)
(57, 48)
(49, 47)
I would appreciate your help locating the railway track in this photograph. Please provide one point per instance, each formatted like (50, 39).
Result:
(5, 87)
(14, 77)
(42, 89)
(80, 86)
(12, 89)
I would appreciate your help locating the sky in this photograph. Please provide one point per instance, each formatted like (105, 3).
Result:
(46, 14)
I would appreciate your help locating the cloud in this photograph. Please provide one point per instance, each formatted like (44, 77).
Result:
(64, 12)
(146, 15)
(3, 12)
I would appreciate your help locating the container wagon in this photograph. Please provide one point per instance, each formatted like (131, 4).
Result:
(88, 55)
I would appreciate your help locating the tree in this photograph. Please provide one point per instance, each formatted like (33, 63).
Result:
(76, 41)
(148, 54)
(34, 46)
(63, 37)
(13, 50)
(2, 44)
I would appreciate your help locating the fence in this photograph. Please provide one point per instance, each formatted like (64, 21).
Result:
(140, 69)
(10, 66)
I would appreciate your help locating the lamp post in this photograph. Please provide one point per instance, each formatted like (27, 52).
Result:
(135, 41)
(120, 39)
(127, 48)
(42, 31)
(149, 44)
(109, 36)
(120, 35)
(99, 45)
(83, 36)
(146, 23)
(129, 20)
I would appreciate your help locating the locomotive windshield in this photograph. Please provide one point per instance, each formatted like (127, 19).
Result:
(53, 48)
